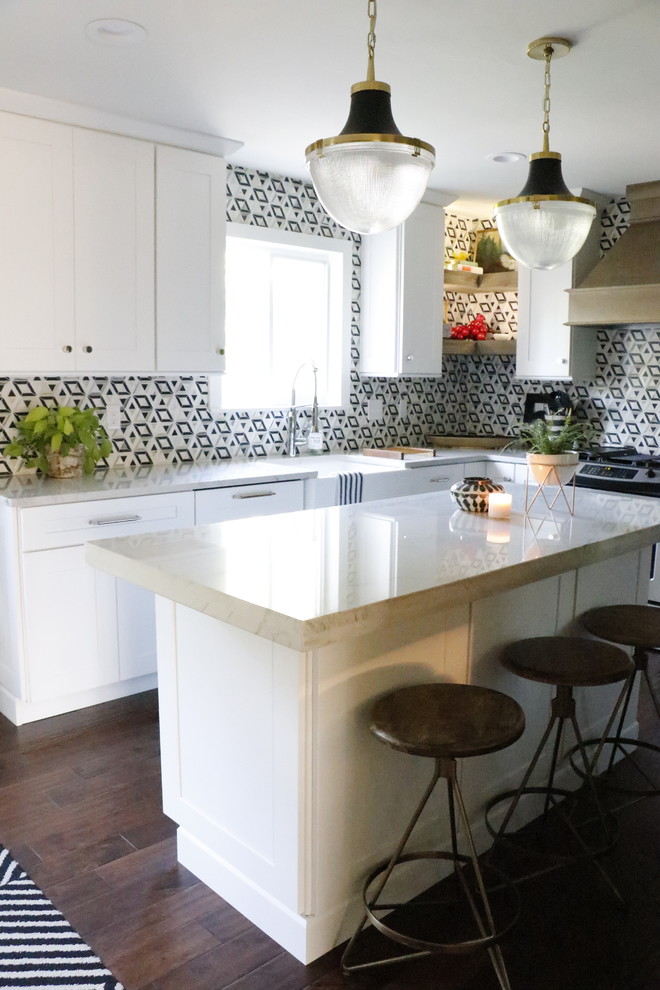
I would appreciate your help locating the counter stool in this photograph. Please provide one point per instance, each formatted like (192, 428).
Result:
(444, 722)
(637, 626)
(567, 663)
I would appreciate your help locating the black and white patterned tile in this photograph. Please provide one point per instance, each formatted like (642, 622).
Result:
(166, 419)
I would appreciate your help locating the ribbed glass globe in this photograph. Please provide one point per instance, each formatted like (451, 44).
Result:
(546, 234)
(370, 186)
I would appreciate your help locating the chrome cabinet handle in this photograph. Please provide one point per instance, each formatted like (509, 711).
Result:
(113, 520)
(437, 481)
(255, 495)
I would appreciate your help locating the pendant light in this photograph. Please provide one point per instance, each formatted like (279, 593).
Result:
(545, 226)
(370, 177)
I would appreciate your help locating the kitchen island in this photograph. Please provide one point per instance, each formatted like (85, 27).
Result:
(276, 633)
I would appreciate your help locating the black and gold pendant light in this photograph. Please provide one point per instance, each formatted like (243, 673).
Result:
(370, 177)
(544, 226)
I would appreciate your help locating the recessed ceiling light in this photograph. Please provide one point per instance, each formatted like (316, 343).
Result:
(506, 157)
(115, 31)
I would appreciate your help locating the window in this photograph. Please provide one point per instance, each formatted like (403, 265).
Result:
(287, 304)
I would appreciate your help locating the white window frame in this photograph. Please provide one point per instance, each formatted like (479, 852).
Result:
(339, 255)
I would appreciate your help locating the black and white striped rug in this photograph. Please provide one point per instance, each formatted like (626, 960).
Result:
(39, 950)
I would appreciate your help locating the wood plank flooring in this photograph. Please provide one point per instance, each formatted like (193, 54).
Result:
(80, 808)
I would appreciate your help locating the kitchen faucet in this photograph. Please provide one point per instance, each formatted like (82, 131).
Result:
(297, 438)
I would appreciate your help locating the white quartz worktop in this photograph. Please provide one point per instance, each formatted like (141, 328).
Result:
(32, 490)
(305, 579)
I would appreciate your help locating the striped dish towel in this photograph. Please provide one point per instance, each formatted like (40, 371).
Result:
(350, 488)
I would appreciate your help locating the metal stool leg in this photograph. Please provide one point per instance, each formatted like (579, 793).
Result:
(479, 904)
(494, 951)
(346, 966)
(620, 743)
(562, 710)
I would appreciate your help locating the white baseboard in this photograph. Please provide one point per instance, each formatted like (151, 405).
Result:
(20, 712)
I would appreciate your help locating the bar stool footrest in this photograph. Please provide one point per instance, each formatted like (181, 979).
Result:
(426, 946)
(618, 742)
(558, 796)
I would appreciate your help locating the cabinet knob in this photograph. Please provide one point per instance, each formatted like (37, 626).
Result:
(409, 357)
(87, 349)
(220, 351)
(67, 348)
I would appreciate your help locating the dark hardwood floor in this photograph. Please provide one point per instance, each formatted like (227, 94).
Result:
(80, 809)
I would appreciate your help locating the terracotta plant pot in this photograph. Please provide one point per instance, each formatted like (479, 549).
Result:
(70, 466)
(553, 469)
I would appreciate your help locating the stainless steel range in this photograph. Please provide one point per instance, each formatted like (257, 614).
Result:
(619, 469)
(624, 470)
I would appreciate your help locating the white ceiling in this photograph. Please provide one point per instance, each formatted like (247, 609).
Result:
(277, 76)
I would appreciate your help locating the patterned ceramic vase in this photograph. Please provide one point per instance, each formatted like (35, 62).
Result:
(471, 494)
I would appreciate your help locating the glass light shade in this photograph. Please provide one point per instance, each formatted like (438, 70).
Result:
(544, 233)
(370, 186)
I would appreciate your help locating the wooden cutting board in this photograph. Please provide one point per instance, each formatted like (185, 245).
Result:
(398, 453)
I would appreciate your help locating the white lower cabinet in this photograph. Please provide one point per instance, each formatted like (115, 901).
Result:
(75, 636)
(70, 627)
(500, 471)
(214, 505)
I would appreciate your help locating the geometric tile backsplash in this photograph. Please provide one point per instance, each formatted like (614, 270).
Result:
(166, 419)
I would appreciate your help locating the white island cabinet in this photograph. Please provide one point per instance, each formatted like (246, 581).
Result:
(276, 634)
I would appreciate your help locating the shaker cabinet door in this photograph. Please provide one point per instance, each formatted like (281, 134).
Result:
(36, 247)
(70, 624)
(114, 252)
(190, 245)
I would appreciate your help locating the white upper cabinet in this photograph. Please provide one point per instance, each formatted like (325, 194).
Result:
(36, 246)
(402, 297)
(91, 250)
(546, 347)
(114, 252)
(190, 230)
(76, 286)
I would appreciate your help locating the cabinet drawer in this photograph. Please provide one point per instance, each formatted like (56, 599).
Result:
(49, 526)
(219, 504)
(437, 479)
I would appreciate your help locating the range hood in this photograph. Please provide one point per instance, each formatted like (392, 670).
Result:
(624, 287)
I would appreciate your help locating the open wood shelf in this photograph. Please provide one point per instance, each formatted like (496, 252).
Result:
(474, 284)
(450, 346)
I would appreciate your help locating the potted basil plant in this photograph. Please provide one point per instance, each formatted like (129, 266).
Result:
(552, 449)
(62, 442)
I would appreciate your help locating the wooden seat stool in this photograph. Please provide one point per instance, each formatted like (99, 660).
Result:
(443, 722)
(637, 626)
(567, 663)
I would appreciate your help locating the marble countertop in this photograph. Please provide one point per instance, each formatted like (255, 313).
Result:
(23, 490)
(304, 579)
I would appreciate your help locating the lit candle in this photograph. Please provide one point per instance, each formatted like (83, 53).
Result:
(499, 505)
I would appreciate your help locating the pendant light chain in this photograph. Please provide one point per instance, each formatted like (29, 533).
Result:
(548, 52)
(371, 39)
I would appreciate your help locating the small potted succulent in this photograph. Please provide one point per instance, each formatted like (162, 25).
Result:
(62, 442)
(552, 448)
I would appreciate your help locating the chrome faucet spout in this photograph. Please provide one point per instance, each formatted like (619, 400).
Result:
(292, 433)
(296, 438)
